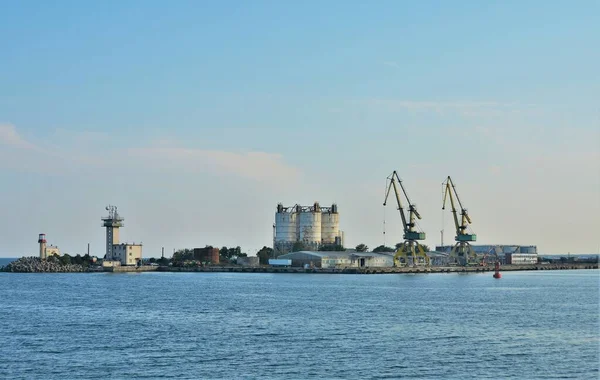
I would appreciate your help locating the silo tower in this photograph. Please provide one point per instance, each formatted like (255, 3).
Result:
(112, 223)
(42, 241)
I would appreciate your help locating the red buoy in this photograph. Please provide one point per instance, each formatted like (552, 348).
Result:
(497, 268)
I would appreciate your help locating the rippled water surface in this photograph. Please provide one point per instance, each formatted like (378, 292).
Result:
(286, 326)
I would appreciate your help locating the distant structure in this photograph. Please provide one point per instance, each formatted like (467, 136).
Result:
(209, 255)
(332, 259)
(308, 227)
(47, 251)
(506, 254)
(42, 242)
(121, 253)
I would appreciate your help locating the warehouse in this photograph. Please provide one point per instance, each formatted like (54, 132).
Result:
(336, 259)
(521, 258)
(506, 254)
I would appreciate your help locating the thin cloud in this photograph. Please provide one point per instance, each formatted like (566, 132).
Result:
(251, 165)
(391, 64)
(394, 105)
(9, 136)
(165, 154)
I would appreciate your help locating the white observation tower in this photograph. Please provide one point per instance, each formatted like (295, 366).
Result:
(112, 223)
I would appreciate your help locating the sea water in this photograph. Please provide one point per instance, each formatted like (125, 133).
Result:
(539, 324)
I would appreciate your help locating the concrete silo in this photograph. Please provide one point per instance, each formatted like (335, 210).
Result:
(285, 229)
(305, 228)
(330, 226)
(309, 226)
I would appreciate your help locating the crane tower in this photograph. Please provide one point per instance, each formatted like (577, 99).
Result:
(462, 252)
(410, 251)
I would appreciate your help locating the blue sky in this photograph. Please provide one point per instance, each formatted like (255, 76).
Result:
(196, 118)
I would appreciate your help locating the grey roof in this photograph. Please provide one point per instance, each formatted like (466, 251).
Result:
(332, 254)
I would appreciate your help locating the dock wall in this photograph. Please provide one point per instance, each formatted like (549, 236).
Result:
(131, 268)
(478, 269)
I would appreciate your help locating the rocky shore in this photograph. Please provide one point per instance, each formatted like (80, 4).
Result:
(36, 265)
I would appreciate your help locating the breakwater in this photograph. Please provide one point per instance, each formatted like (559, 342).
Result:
(405, 270)
(36, 265)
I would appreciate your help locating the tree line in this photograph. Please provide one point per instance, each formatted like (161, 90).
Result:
(226, 254)
(66, 259)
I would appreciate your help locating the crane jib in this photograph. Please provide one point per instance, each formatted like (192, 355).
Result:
(407, 223)
(461, 227)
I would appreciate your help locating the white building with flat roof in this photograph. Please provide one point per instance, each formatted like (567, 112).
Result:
(52, 250)
(521, 258)
(127, 254)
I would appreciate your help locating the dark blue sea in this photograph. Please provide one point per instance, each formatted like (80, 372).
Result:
(527, 325)
(6, 260)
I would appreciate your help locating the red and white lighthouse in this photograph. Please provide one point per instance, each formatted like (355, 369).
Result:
(42, 242)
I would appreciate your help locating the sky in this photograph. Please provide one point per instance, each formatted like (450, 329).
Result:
(196, 118)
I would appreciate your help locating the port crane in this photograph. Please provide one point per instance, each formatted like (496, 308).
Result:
(462, 252)
(410, 249)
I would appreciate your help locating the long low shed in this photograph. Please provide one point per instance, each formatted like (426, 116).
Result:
(335, 259)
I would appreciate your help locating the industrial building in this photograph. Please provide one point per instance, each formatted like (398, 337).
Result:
(118, 253)
(337, 259)
(521, 258)
(46, 250)
(312, 226)
(506, 254)
(207, 255)
(250, 261)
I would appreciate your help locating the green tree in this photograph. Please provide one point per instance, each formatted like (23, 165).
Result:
(224, 254)
(383, 248)
(362, 248)
(227, 254)
(65, 259)
(331, 247)
(163, 261)
(298, 246)
(265, 254)
(182, 255)
(86, 260)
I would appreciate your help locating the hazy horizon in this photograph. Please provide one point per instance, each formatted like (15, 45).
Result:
(196, 119)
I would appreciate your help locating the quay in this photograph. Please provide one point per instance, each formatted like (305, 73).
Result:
(391, 270)
(131, 268)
